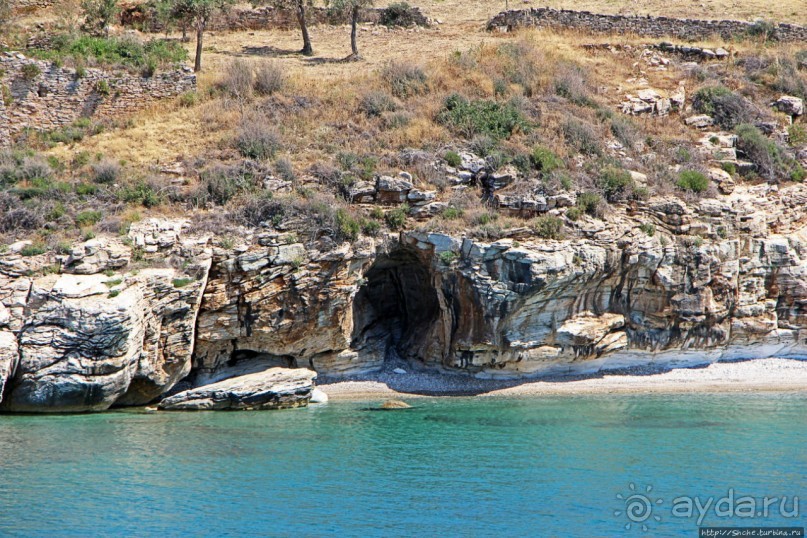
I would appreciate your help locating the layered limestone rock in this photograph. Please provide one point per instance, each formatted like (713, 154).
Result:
(656, 281)
(275, 388)
(283, 300)
(87, 342)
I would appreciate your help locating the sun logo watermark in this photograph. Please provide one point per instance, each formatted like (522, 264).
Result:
(638, 507)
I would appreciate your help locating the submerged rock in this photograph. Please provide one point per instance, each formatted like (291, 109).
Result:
(275, 388)
(395, 404)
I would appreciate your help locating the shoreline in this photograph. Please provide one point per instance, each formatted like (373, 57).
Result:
(752, 376)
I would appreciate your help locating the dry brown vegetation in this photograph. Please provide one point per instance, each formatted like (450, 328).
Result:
(324, 125)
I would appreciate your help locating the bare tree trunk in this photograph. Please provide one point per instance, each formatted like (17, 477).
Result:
(200, 29)
(354, 22)
(307, 49)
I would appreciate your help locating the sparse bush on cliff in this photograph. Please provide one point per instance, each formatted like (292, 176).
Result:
(590, 203)
(616, 183)
(772, 161)
(548, 227)
(396, 218)
(692, 181)
(544, 160)
(220, 183)
(452, 158)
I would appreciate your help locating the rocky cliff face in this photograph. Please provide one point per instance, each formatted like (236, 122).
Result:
(720, 278)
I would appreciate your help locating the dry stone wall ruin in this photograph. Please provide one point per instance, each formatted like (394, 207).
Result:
(649, 26)
(42, 96)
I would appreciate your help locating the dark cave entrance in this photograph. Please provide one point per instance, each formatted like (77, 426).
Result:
(396, 307)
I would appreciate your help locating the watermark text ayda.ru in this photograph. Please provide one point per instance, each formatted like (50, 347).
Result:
(732, 506)
(644, 509)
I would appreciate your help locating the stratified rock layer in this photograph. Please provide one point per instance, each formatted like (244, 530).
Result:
(721, 278)
(275, 388)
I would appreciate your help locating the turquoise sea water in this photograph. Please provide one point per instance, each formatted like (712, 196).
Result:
(448, 467)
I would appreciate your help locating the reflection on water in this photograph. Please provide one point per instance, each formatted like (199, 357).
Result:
(458, 467)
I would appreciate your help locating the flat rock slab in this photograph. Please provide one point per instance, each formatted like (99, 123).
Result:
(275, 388)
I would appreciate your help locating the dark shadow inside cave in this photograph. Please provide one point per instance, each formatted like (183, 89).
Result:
(396, 307)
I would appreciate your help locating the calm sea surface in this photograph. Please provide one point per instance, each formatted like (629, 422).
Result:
(448, 467)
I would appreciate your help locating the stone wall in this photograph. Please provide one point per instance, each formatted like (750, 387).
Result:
(686, 29)
(30, 5)
(5, 135)
(44, 96)
(261, 18)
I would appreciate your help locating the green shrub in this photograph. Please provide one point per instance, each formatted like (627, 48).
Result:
(115, 51)
(589, 203)
(548, 227)
(797, 135)
(34, 249)
(703, 100)
(615, 183)
(452, 213)
(771, 160)
(396, 218)
(481, 117)
(88, 218)
(544, 160)
(140, 193)
(349, 227)
(574, 213)
(452, 158)
(30, 71)
(447, 257)
(729, 167)
(692, 181)
(648, 228)
(188, 99)
(370, 227)
(182, 282)
(764, 29)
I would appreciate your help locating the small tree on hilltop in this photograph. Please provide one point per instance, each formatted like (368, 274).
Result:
(352, 8)
(99, 14)
(299, 7)
(197, 14)
(5, 12)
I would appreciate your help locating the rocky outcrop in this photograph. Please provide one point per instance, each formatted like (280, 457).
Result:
(275, 388)
(85, 342)
(660, 280)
